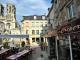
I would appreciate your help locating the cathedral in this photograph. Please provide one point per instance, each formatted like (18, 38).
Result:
(8, 23)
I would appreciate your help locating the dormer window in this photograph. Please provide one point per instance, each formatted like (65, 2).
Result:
(35, 17)
(43, 17)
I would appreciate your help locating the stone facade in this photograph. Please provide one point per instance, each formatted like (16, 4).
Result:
(35, 26)
(67, 15)
(8, 22)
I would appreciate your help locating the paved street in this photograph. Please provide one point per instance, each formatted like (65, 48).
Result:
(37, 53)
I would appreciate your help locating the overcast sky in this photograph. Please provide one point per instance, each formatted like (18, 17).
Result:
(30, 7)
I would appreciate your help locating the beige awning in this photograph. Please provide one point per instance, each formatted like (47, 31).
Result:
(50, 33)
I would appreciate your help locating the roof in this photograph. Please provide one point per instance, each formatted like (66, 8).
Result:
(50, 9)
(32, 17)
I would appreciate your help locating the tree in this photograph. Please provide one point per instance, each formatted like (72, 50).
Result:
(23, 44)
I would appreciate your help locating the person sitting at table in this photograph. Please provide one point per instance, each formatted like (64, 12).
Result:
(2, 48)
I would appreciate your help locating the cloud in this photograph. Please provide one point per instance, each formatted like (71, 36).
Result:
(30, 7)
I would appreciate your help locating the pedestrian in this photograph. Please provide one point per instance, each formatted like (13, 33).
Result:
(41, 57)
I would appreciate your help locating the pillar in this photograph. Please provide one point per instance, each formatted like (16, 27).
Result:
(35, 39)
(71, 57)
(44, 39)
(57, 38)
(39, 39)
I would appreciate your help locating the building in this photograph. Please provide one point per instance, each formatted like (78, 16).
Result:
(1, 10)
(67, 16)
(8, 22)
(35, 26)
(52, 31)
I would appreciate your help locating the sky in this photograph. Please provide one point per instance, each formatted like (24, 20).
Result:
(29, 7)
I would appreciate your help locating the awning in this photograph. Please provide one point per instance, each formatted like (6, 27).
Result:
(50, 33)
(14, 36)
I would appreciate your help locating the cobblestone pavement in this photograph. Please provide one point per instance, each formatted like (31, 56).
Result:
(36, 54)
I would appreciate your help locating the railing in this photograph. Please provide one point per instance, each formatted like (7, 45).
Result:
(14, 36)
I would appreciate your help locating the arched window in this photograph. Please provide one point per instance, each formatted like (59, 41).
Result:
(2, 26)
(8, 26)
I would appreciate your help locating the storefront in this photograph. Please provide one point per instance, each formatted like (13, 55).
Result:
(51, 37)
(69, 41)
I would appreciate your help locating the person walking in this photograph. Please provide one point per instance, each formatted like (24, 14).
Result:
(41, 57)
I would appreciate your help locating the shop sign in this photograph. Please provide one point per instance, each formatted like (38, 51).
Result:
(70, 29)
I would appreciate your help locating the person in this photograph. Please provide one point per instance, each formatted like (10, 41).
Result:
(41, 57)
(2, 48)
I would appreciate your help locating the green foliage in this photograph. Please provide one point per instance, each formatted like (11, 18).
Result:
(5, 45)
(23, 44)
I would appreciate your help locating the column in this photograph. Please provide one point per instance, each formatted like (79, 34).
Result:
(57, 38)
(39, 39)
(44, 39)
(71, 58)
(30, 40)
(35, 39)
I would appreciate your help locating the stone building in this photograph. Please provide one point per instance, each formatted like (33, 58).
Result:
(35, 26)
(67, 15)
(8, 22)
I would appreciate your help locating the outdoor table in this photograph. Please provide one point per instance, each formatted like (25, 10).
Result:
(18, 55)
(3, 54)
(3, 51)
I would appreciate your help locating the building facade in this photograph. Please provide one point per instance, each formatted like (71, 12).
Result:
(51, 33)
(67, 15)
(8, 22)
(35, 26)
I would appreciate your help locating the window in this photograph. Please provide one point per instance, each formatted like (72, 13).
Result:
(37, 31)
(37, 24)
(37, 39)
(33, 39)
(10, 9)
(33, 24)
(41, 31)
(71, 11)
(8, 25)
(43, 17)
(35, 17)
(45, 30)
(26, 31)
(42, 25)
(2, 26)
(33, 31)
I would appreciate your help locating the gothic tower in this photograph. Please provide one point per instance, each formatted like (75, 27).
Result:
(1, 10)
(11, 15)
